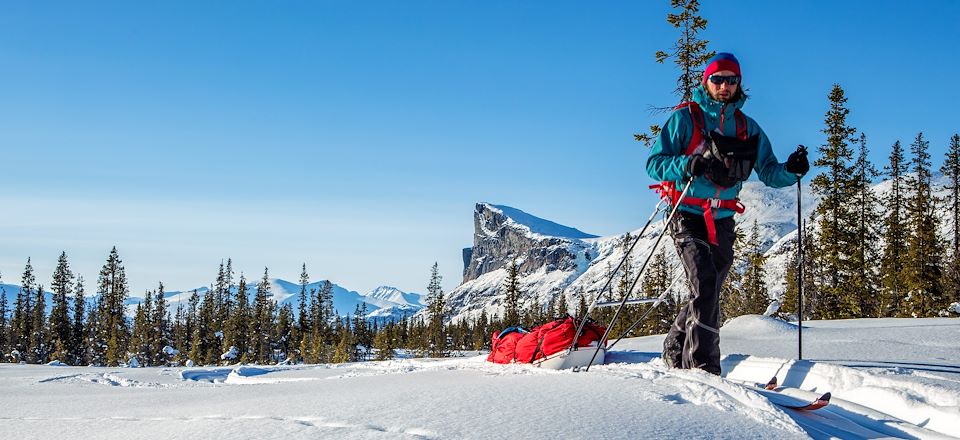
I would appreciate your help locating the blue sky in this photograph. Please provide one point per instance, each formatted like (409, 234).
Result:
(357, 136)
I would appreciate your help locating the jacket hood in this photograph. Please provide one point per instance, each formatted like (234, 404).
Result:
(712, 106)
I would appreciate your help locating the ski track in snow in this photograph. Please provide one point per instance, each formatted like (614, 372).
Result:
(114, 379)
(323, 427)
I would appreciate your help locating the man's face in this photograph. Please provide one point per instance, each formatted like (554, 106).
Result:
(722, 92)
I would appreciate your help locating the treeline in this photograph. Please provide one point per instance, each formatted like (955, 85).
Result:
(867, 255)
(222, 326)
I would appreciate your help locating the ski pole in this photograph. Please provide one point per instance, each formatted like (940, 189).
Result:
(660, 299)
(643, 267)
(583, 319)
(802, 149)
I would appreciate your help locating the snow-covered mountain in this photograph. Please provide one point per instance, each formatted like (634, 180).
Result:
(382, 303)
(10, 291)
(575, 264)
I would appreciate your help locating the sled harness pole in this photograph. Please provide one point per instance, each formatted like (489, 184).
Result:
(673, 211)
(583, 319)
(659, 300)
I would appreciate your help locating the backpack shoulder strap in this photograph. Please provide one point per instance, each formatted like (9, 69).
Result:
(696, 116)
(741, 124)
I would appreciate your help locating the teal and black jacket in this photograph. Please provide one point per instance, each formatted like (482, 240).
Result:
(667, 161)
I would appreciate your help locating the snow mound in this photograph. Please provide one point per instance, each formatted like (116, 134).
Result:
(757, 326)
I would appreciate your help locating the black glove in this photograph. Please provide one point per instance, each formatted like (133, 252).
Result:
(733, 145)
(696, 166)
(797, 162)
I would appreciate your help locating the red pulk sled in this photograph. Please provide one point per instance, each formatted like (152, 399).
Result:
(548, 345)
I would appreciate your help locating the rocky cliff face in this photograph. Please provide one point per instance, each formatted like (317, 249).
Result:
(503, 234)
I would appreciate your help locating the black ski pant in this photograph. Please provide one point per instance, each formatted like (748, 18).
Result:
(696, 328)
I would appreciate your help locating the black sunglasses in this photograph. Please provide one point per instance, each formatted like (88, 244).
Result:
(731, 80)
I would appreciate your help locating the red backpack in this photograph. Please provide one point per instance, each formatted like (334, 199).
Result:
(669, 191)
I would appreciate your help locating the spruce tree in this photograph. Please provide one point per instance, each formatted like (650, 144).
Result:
(262, 320)
(895, 232)
(189, 325)
(385, 342)
(112, 332)
(345, 346)
(924, 248)
(219, 293)
(4, 349)
(835, 212)
(310, 311)
(563, 309)
(204, 348)
(551, 308)
(361, 333)
(581, 305)
(656, 281)
(320, 317)
(951, 171)
(732, 295)
(689, 53)
(91, 345)
(140, 337)
(788, 304)
(22, 322)
(788, 300)
(60, 326)
(481, 330)
(756, 296)
(630, 312)
(302, 329)
(437, 309)
(77, 347)
(864, 280)
(178, 335)
(159, 328)
(511, 314)
(236, 334)
(283, 332)
(39, 340)
(533, 315)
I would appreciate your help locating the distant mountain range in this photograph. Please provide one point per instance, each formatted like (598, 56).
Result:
(384, 302)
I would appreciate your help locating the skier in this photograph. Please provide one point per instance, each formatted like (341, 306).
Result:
(710, 141)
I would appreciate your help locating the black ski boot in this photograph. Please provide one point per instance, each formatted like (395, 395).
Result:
(672, 352)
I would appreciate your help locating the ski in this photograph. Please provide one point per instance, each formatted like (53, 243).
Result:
(820, 402)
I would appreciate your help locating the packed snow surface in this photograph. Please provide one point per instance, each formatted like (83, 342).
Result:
(890, 378)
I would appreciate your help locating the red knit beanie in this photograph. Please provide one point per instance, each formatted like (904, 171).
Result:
(720, 62)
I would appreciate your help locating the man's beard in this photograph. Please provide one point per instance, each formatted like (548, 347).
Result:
(728, 98)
